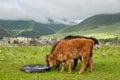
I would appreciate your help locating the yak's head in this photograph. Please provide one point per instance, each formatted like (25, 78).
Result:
(51, 61)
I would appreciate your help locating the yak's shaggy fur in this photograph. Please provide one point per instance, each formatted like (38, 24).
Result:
(72, 49)
(96, 44)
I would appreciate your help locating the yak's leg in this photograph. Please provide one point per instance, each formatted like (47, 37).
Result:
(57, 65)
(84, 64)
(75, 64)
(90, 65)
(87, 64)
(90, 60)
(63, 66)
(81, 61)
(69, 65)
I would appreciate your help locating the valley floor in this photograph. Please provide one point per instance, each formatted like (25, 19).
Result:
(106, 64)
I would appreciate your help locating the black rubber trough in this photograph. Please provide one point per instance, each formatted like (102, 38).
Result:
(35, 68)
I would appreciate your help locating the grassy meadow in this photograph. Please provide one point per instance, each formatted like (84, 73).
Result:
(106, 64)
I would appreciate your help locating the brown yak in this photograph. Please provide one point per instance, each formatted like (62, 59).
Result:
(96, 43)
(72, 49)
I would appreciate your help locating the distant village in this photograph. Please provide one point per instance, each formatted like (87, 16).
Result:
(43, 41)
(28, 41)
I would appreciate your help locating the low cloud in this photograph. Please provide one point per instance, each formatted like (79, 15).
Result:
(42, 10)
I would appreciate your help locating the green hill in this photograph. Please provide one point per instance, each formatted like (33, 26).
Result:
(27, 28)
(99, 25)
(3, 32)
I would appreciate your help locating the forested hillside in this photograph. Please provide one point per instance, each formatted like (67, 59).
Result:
(27, 28)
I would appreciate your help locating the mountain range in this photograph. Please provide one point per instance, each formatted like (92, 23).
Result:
(108, 24)
(14, 28)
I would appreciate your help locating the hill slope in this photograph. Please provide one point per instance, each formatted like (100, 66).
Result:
(27, 28)
(98, 24)
(3, 32)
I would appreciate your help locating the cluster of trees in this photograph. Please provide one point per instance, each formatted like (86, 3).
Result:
(115, 40)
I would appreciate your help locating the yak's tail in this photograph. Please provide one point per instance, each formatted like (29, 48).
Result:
(96, 42)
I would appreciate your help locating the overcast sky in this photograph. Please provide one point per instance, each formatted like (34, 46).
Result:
(41, 10)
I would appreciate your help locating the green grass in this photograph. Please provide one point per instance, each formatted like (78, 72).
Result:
(96, 35)
(108, 24)
(101, 32)
(106, 65)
